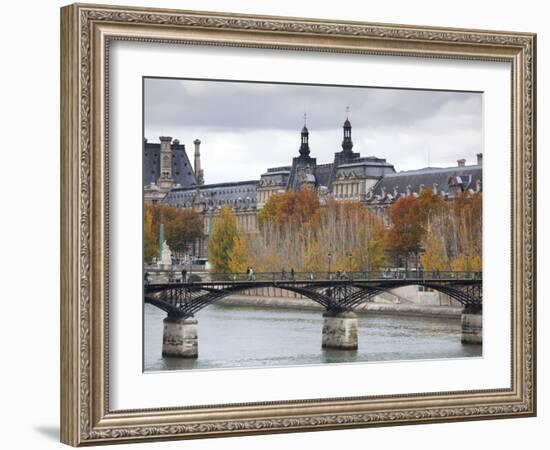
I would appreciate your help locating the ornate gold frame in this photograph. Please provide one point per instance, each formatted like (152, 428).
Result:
(86, 31)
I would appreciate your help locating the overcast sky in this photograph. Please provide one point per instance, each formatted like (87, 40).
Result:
(247, 127)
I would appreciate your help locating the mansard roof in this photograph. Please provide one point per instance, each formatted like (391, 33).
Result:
(277, 170)
(323, 174)
(470, 176)
(182, 170)
(239, 193)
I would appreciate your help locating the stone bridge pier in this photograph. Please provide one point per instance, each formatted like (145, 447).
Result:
(180, 338)
(340, 330)
(472, 327)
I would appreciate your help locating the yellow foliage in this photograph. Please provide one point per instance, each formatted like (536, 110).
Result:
(222, 239)
(477, 263)
(316, 259)
(150, 238)
(434, 257)
(239, 258)
(296, 233)
(466, 263)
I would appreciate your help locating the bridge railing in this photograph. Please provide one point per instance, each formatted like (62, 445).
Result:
(284, 276)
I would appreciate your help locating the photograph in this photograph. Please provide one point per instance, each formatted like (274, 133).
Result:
(289, 224)
(293, 222)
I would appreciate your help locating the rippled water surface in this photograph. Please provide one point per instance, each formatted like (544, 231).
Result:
(235, 336)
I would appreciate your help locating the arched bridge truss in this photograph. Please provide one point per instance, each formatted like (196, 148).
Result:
(185, 299)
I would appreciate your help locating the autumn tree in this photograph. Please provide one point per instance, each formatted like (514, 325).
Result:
(405, 234)
(300, 238)
(270, 212)
(162, 213)
(153, 216)
(315, 257)
(427, 204)
(432, 214)
(239, 255)
(370, 255)
(289, 206)
(150, 235)
(465, 232)
(348, 228)
(182, 229)
(452, 239)
(300, 206)
(411, 222)
(435, 255)
(222, 239)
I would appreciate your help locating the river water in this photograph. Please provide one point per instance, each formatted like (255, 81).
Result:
(241, 336)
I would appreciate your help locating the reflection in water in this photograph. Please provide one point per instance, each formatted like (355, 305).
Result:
(235, 336)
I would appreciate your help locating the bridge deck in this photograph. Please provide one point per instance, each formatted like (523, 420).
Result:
(318, 278)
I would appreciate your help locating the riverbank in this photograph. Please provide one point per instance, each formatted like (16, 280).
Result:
(405, 309)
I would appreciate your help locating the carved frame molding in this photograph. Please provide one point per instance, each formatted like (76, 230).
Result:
(86, 31)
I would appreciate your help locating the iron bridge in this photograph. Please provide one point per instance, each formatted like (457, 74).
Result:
(337, 293)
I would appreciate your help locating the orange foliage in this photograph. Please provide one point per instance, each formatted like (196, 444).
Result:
(182, 227)
(297, 233)
(406, 231)
(296, 206)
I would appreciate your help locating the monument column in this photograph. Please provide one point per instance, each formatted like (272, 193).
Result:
(161, 240)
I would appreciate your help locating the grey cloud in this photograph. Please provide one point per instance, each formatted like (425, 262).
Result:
(278, 106)
(252, 126)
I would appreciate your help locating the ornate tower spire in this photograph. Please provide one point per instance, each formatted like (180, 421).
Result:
(304, 147)
(347, 143)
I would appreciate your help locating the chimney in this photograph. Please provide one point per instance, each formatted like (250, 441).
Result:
(165, 156)
(165, 142)
(461, 162)
(199, 174)
(165, 181)
(479, 159)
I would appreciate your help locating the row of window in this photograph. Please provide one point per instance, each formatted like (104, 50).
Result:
(175, 164)
(346, 190)
(212, 193)
(177, 173)
(234, 202)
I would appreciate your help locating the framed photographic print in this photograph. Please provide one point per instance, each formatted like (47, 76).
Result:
(276, 224)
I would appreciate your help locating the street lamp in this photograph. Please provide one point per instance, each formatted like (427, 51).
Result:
(329, 259)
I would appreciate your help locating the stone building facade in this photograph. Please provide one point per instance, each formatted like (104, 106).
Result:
(169, 178)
